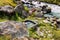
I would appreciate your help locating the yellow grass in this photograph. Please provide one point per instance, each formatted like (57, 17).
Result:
(7, 2)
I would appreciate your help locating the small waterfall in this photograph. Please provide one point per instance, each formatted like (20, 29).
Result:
(55, 10)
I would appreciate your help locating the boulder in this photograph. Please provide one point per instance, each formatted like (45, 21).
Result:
(13, 28)
(20, 10)
(7, 10)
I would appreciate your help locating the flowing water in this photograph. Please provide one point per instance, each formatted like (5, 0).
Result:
(55, 10)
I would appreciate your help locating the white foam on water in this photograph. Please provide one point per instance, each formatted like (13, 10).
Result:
(55, 8)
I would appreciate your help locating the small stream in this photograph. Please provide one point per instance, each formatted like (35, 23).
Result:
(55, 10)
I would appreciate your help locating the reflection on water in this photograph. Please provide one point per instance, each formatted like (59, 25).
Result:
(29, 24)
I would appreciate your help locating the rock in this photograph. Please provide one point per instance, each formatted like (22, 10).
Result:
(44, 6)
(24, 14)
(48, 10)
(25, 38)
(39, 14)
(32, 10)
(20, 10)
(38, 9)
(46, 21)
(15, 29)
(7, 8)
(58, 23)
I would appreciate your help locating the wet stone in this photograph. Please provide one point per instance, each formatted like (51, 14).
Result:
(7, 8)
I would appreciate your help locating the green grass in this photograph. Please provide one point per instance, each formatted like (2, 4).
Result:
(47, 27)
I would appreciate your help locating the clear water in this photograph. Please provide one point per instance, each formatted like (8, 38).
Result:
(55, 10)
(29, 24)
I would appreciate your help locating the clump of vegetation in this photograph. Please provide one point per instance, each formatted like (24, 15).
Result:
(7, 2)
